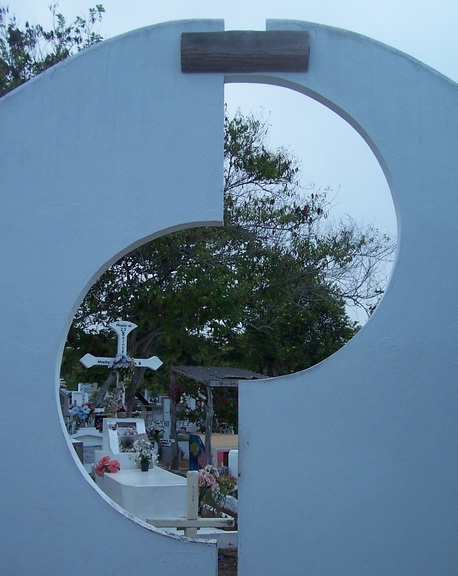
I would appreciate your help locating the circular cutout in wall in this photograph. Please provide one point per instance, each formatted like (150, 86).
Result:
(273, 291)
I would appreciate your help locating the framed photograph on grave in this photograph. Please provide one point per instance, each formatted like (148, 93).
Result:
(122, 433)
(127, 431)
(143, 436)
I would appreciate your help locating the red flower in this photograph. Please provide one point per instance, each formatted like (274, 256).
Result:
(113, 466)
(105, 464)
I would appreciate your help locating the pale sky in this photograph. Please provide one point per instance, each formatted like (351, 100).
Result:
(331, 152)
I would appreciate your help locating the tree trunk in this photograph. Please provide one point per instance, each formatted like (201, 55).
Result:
(101, 392)
(132, 389)
(209, 426)
(145, 346)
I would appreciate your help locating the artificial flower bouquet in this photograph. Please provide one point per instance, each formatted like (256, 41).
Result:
(82, 413)
(208, 480)
(143, 451)
(106, 464)
(214, 487)
(155, 433)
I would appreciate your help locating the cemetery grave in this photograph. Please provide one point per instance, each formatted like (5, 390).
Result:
(153, 494)
(160, 497)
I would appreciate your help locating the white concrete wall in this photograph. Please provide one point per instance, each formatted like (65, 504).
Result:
(364, 479)
(116, 146)
(99, 154)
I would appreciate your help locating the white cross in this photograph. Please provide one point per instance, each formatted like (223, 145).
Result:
(122, 329)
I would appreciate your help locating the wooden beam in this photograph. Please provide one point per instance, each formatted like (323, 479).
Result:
(245, 51)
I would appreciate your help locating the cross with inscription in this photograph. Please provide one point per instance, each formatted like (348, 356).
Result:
(121, 360)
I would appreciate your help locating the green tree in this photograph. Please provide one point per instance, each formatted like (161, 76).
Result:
(265, 292)
(26, 52)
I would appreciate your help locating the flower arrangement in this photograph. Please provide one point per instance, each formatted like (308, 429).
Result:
(113, 403)
(155, 433)
(124, 366)
(143, 451)
(120, 361)
(82, 413)
(214, 487)
(124, 369)
(106, 464)
(208, 479)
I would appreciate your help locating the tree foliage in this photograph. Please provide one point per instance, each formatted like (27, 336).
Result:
(266, 292)
(26, 52)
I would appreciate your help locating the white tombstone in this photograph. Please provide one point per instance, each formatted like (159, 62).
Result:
(78, 397)
(233, 461)
(92, 442)
(89, 388)
(167, 421)
(114, 429)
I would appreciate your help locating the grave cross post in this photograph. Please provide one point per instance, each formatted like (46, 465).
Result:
(122, 329)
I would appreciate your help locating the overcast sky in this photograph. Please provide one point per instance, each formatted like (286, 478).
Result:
(331, 152)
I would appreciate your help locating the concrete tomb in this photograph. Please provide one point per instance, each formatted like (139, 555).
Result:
(142, 494)
(91, 440)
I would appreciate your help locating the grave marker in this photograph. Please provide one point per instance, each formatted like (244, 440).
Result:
(122, 329)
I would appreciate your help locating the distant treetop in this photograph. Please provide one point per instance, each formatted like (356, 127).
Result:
(26, 52)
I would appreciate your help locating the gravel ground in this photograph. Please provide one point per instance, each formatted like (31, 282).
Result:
(227, 562)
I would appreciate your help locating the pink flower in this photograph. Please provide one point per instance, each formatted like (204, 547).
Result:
(211, 470)
(105, 464)
(209, 479)
(113, 466)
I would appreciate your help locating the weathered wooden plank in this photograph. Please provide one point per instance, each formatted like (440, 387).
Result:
(245, 51)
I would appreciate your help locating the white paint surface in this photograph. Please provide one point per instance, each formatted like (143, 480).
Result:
(364, 478)
(157, 493)
(99, 154)
(114, 147)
